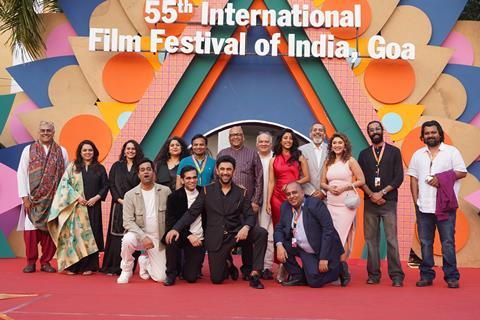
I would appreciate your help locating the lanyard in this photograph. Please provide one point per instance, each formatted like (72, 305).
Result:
(199, 170)
(378, 159)
(296, 217)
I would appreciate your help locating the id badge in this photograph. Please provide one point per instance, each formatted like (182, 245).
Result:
(294, 242)
(377, 181)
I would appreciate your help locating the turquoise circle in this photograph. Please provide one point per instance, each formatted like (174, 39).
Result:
(123, 118)
(392, 122)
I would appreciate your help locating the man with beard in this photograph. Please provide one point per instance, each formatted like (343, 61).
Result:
(230, 221)
(427, 170)
(382, 166)
(40, 169)
(248, 175)
(315, 153)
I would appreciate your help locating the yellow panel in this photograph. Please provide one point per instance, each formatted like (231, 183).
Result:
(363, 49)
(409, 114)
(111, 111)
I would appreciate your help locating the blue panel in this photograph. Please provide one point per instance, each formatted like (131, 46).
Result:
(470, 78)
(11, 156)
(474, 169)
(254, 88)
(34, 77)
(443, 15)
(78, 13)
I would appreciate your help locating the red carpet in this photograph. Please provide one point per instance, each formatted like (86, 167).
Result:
(99, 297)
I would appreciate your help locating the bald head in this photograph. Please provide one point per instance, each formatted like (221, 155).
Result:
(295, 194)
(236, 138)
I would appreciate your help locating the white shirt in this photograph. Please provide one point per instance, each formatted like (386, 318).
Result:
(448, 158)
(196, 227)
(151, 214)
(23, 181)
(300, 234)
(318, 153)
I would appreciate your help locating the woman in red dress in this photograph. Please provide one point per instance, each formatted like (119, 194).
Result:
(287, 165)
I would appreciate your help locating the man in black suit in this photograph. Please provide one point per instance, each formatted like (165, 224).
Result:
(230, 221)
(306, 230)
(191, 239)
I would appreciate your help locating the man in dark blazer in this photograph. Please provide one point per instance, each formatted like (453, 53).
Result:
(306, 230)
(191, 239)
(230, 221)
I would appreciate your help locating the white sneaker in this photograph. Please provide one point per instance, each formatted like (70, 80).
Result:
(142, 265)
(124, 277)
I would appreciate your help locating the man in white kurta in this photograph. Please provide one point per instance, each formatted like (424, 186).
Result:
(264, 148)
(144, 221)
(38, 161)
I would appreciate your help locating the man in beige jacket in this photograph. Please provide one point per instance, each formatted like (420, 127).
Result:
(144, 222)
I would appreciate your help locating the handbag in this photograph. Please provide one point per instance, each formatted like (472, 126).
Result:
(352, 201)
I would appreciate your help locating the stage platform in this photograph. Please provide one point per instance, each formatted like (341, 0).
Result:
(60, 296)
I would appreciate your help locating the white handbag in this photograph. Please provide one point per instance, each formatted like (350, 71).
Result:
(352, 200)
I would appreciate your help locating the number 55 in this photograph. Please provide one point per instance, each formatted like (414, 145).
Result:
(167, 15)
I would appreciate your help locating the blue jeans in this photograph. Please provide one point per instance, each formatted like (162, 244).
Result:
(426, 223)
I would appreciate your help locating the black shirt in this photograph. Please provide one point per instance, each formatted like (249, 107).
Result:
(391, 170)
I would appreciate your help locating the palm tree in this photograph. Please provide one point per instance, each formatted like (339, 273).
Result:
(21, 18)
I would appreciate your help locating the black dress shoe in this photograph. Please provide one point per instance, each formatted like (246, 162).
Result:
(267, 274)
(397, 283)
(424, 283)
(29, 268)
(255, 282)
(294, 282)
(373, 281)
(47, 268)
(453, 284)
(169, 282)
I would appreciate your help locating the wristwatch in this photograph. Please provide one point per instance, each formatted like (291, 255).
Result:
(384, 192)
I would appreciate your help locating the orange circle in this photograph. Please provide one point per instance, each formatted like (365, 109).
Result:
(86, 127)
(126, 77)
(389, 81)
(350, 32)
(412, 143)
(462, 232)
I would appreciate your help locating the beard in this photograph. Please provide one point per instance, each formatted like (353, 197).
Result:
(376, 138)
(432, 142)
(317, 140)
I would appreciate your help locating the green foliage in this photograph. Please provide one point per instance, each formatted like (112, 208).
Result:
(471, 11)
(21, 19)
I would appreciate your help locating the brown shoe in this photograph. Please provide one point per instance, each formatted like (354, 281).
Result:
(47, 268)
(29, 268)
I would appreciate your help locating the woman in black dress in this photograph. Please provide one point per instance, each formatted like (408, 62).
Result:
(123, 177)
(95, 187)
(166, 163)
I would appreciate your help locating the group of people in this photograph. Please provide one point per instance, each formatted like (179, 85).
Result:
(276, 203)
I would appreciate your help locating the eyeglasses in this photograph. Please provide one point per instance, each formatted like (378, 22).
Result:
(236, 134)
(46, 130)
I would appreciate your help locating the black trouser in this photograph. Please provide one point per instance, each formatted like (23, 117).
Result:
(217, 260)
(310, 271)
(193, 258)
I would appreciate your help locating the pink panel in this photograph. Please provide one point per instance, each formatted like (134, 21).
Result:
(57, 41)
(463, 50)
